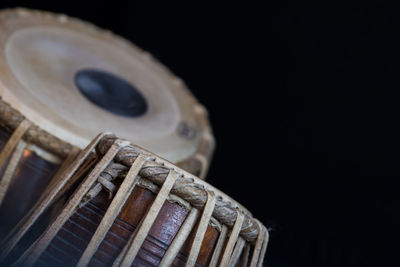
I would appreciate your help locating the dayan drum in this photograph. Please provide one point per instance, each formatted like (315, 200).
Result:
(157, 214)
(62, 81)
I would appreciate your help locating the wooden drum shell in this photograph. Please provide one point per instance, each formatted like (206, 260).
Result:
(69, 244)
(29, 179)
(145, 227)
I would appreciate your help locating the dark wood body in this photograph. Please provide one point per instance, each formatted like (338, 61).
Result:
(31, 177)
(70, 242)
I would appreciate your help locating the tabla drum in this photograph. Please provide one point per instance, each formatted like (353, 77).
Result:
(62, 81)
(158, 215)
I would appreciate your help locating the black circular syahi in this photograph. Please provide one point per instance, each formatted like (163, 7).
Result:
(111, 92)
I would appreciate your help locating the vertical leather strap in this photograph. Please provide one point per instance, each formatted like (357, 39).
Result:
(180, 238)
(130, 251)
(201, 229)
(6, 152)
(33, 253)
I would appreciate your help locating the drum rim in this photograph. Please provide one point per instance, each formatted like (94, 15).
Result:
(10, 118)
(193, 184)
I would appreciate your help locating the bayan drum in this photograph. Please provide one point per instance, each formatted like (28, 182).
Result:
(157, 215)
(62, 81)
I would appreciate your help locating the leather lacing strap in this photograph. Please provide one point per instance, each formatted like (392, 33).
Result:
(264, 247)
(219, 246)
(18, 146)
(243, 227)
(74, 152)
(33, 253)
(245, 256)
(130, 251)
(180, 238)
(185, 187)
(104, 181)
(114, 209)
(237, 252)
(142, 165)
(232, 239)
(201, 229)
(55, 189)
(260, 246)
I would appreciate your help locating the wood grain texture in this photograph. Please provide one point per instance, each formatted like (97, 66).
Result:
(114, 209)
(149, 221)
(129, 253)
(31, 176)
(30, 257)
(70, 242)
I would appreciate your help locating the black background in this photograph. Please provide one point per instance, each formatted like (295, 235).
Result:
(305, 105)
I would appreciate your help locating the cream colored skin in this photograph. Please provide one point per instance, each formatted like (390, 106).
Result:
(39, 56)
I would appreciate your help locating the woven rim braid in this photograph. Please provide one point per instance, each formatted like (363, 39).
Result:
(11, 119)
(187, 187)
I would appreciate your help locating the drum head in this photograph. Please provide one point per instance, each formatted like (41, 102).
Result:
(74, 80)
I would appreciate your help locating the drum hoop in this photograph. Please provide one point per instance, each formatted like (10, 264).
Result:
(173, 198)
(10, 118)
(188, 187)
